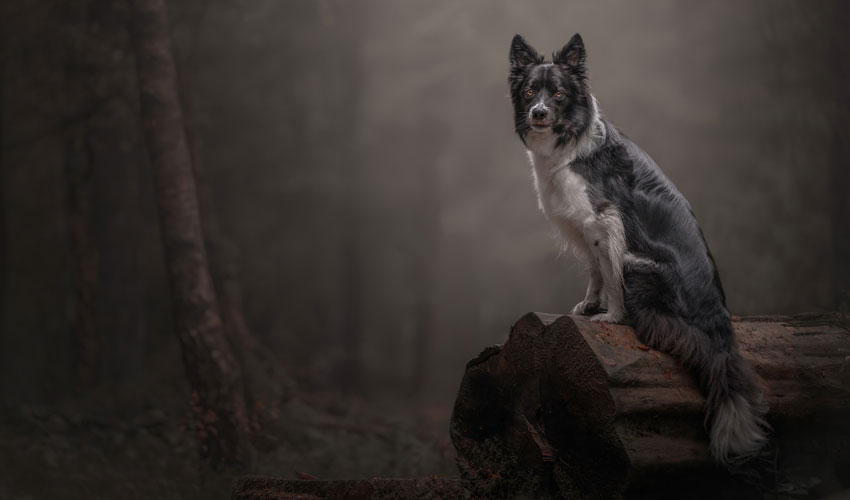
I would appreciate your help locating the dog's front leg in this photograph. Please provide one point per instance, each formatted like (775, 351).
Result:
(613, 290)
(593, 299)
(605, 237)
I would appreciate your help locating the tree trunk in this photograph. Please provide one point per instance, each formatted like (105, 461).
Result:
(3, 362)
(228, 292)
(215, 377)
(84, 254)
(839, 175)
(220, 250)
(427, 241)
(345, 93)
(577, 409)
(79, 167)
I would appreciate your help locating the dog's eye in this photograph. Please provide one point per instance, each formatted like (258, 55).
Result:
(559, 95)
(529, 94)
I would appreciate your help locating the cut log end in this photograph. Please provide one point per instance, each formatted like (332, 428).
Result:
(569, 407)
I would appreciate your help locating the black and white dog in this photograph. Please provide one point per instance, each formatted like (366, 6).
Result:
(647, 256)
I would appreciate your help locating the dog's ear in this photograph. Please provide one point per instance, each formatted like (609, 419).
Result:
(572, 54)
(522, 54)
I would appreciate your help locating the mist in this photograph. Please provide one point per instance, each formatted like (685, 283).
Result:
(375, 206)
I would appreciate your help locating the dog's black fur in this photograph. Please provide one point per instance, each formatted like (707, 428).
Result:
(672, 289)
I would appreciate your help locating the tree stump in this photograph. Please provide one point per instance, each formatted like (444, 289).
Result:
(569, 408)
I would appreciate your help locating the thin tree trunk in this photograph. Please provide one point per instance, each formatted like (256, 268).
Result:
(222, 258)
(428, 242)
(264, 380)
(84, 274)
(424, 318)
(345, 92)
(425, 255)
(352, 288)
(839, 173)
(221, 252)
(214, 374)
(79, 166)
(3, 361)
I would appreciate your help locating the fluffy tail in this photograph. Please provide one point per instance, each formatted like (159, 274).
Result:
(735, 405)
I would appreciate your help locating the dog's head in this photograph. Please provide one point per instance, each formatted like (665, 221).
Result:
(550, 98)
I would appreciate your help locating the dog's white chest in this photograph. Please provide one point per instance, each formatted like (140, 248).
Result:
(561, 193)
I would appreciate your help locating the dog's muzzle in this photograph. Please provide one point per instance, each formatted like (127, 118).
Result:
(540, 117)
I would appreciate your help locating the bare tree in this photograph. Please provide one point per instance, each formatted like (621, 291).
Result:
(84, 262)
(212, 369)
(352, 287)
(346, 158)
(79, 186)
(839, 173)
(220, 249)
(264, 379)
(2, 213)
(427, 243)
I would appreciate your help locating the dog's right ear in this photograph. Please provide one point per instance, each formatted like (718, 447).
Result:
(523, 54)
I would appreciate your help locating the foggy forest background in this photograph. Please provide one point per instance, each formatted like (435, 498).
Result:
(375, 209)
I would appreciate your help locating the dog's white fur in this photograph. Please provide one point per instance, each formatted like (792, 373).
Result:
(598, 238)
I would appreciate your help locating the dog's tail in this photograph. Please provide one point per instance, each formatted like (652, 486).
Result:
(735, 405)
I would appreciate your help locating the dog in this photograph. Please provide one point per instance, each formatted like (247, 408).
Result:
(646, 254)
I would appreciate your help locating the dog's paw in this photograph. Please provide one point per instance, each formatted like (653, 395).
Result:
(585, 308)
(608, 317)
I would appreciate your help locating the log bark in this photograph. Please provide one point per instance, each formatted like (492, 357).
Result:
(263, 488)
(572, 408)
(218, 399)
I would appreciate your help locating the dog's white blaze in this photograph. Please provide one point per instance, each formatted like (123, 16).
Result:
(596, 237)
(539, 105)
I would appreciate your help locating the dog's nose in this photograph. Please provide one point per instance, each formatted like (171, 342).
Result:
(538, 113)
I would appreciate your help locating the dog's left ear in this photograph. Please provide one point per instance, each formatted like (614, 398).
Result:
(572, 54)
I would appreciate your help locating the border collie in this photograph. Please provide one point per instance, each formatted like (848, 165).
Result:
(647, 257)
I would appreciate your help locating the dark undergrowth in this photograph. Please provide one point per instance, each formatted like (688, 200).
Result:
(138, 446)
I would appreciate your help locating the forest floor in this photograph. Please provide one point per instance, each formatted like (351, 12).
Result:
(139, 448)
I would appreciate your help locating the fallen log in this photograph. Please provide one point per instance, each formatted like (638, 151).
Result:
(427, 488)
(569, 408)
